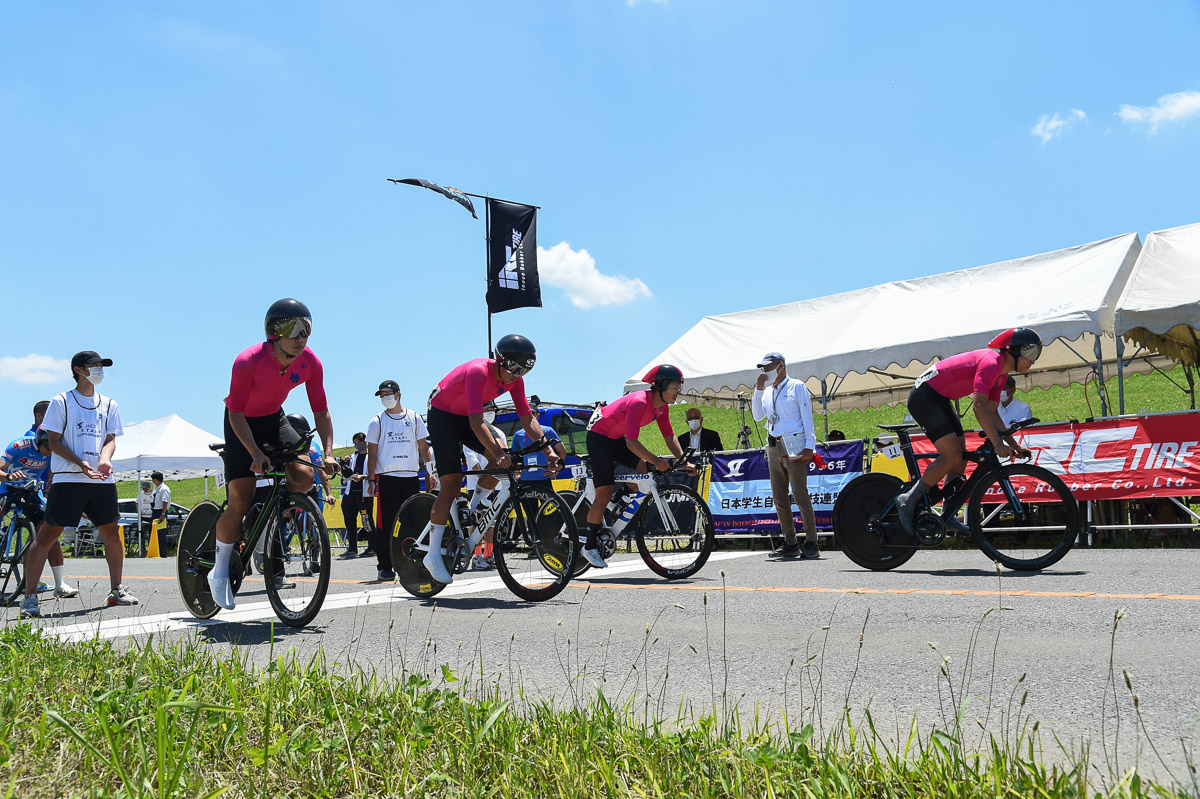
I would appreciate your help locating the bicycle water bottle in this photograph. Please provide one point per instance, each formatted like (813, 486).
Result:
(463, 511)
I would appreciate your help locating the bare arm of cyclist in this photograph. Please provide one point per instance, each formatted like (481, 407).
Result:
(989, 420)
(484, 433)
(639, 449)
(324, 424)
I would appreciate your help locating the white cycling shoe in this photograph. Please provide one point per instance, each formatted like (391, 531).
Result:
(437, 567)
(594, 557)
(221, 590)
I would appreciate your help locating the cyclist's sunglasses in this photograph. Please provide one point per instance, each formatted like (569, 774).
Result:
(296, 327)
(1032, 352)
(518, 369)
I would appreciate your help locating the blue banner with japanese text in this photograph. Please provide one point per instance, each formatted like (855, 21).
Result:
(740, 492)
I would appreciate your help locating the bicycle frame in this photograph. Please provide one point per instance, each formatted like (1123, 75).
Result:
(485, 516)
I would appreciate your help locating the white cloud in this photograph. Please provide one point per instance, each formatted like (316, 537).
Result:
(1052, 127)
(34, 369)
(1169, 108)
(575, 272)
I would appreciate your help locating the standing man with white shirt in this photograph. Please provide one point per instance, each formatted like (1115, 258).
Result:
(82, 427)
(791, 442)
(1012, 410)
(397, 443)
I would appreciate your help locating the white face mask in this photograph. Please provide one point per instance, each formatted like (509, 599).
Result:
(489, 416)
(389, 401)
(95, 375)
(772, 375)
(1005, 396)
(694, 424)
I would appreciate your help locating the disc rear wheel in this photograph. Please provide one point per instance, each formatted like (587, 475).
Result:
(194, 558)
(870, 538)
(406, 528)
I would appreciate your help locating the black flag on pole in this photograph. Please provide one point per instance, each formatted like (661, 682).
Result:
(446, 191)
(512, 257)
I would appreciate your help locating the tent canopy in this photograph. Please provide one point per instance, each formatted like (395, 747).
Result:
(171, 445)
(870, 344)
(1160, 305)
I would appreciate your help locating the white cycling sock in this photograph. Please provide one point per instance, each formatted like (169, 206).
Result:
(435, 537)
(482, 496)
(221, 566)
(59, 574)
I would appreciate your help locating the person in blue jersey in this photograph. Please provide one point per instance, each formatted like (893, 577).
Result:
(28, 458)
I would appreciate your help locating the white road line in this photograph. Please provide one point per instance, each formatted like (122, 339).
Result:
(259, 611)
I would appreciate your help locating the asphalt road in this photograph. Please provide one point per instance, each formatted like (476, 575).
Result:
(755, 634)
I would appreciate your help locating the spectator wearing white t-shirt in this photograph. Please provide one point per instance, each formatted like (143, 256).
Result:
(1012, 410)
(83, 427)
(396, 446)
(162, 498)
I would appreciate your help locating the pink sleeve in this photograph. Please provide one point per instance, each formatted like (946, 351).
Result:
(633, 416)
(473, 387)
(516, 390)
(986, 372)
(241, 383)
(664, 424)
(315, 385)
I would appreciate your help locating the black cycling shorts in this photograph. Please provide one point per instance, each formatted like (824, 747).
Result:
(448, 434)
(67, 502)
(934, 412)
(604, 454)
(273, 430)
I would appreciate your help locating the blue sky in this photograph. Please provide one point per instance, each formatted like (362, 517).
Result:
(171, 169)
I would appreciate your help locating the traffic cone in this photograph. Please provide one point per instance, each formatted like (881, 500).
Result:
(153, 552)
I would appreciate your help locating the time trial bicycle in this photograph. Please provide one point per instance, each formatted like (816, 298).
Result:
(296, 543)
(21, 502)
(1020, 514)
(670, 523)
(534, 543)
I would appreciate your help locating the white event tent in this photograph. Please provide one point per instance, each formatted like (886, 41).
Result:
(171, 445)
(864, 348)
(1160, 305)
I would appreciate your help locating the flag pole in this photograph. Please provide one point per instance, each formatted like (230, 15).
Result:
(487, 253)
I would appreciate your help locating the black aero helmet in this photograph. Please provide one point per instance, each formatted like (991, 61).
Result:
(661, 375)
(516, 354)
(41, 438)
(299, 423)
(288, 318)
(1019, 341)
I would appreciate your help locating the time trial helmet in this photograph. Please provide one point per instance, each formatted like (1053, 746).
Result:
(288, 318)
(516, 354)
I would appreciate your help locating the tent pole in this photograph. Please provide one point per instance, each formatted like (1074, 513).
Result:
(206, 484)
(825, 405)
(1187, 372)
(1121, 374)
(1100, 377)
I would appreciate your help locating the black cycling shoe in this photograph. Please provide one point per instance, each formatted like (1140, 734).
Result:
(957, 528)
(786, 550)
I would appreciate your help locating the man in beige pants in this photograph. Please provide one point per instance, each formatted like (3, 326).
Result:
(791, 442)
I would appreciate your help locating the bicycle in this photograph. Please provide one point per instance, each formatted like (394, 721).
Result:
(1020, 515)
(672, 525)
(534, 544)
(19, 504)
(295, 539)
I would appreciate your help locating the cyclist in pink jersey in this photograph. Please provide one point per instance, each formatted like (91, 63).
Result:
(612, 438)
(456, 420)
(263, 375)
(982, 375)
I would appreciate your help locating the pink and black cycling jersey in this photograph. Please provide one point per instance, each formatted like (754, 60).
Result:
(975, 372)
(469, 385)
(260, 385)
(625, 418)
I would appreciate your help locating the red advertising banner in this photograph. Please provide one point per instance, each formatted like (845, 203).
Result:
(1127, 458)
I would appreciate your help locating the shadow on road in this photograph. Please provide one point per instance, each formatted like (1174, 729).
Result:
(246, 633)
(1004, 575)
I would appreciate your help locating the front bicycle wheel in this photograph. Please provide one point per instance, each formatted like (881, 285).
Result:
(406, 528)
(866, 525)
(1024, 517)
(675, 537)
(536, 544)
(194, 558)
(18, 540)
(296, 566)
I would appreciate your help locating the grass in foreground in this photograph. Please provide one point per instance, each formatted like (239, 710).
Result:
(95, 720)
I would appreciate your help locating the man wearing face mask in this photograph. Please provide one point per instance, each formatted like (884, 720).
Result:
(397, 444)
(699, 437)
(354, 496)
(82, 428)
(1012, 410)
(791, 443)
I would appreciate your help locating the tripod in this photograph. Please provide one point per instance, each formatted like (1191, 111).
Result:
(743, 441)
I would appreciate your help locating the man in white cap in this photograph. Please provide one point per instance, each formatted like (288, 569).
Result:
(791, 443)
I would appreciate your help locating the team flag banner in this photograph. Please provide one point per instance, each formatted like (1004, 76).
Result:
(448, 192)
(740, 493)
(512, 257)
(1131, 458)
